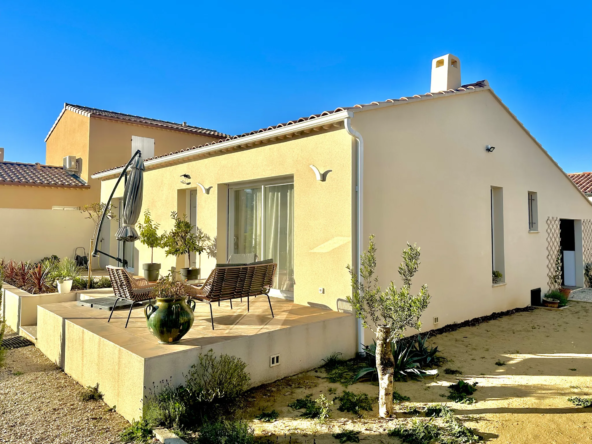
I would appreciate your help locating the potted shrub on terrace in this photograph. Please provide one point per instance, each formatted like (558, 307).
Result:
(149, 236)
(64, 273)
(182, 240)
(172, 315)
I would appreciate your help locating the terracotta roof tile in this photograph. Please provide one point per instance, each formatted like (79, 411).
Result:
(101, 113)
(35, 174)
(583, 181)
(477, 85)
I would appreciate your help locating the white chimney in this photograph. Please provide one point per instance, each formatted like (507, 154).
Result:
(1, 154)
(445, 73)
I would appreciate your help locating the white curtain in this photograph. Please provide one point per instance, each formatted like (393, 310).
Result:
(247, 221)
(278, 241)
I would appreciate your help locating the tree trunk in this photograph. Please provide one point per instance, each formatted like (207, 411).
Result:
(385, 364)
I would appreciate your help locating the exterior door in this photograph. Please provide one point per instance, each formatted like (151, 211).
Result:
(261, 226)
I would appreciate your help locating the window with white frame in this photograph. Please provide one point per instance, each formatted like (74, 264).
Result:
(144, 144)
(533, 214)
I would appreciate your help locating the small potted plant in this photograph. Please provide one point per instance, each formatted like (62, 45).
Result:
(172, 316)
(149, 236)
(496, 277)
(64, 273)
(184, 239)
(554, 299)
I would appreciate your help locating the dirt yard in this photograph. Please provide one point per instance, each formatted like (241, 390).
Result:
(546, 357)
(40, 404)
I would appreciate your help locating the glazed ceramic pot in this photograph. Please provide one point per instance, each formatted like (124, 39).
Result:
(170, 319)
(190, 274)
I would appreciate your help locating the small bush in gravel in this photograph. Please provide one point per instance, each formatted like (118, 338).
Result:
(352, 403)
(461, 392)
(319, 409)
(268, 416)
(91, 394)
(450, 371)
(397, 397)
(166, 406)
(138, 432)
(347, 436)
(235, 432)
(439, 411)
(421, 431)
(581, 402)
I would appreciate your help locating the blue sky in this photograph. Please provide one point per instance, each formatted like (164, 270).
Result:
(240, 66)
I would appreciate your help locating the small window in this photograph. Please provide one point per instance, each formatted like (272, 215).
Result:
(497, 236)
(440, 63)
(144, 144)
(454, 63)
(533, 213)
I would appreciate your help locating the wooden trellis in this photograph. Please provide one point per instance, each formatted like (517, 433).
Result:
(587, 247)
(554, 260)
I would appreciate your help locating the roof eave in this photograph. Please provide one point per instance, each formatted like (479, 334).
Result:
(259, 137)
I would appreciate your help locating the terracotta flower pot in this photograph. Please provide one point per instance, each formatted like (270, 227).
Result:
(566, 292)
(170, 319)
(551, 303)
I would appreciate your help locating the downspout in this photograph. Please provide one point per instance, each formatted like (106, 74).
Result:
(358, 233)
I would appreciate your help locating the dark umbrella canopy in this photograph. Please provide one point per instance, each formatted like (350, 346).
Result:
(132, 202)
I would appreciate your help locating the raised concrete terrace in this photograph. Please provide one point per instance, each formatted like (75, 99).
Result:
(125, 362)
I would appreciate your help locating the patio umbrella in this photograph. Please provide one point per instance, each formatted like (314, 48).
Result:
(132, 202)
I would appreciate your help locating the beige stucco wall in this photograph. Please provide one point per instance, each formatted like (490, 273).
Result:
(70, 137)
(29, 235)
(25, 197)
(322, 210)
(427, 179)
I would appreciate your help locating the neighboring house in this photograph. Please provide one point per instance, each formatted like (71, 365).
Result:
(583, 182)
(262, 194)
(98, 139)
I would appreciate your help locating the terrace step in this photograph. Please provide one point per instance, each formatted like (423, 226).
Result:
(29, 332)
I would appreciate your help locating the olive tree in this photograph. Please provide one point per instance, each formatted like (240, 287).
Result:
(388, 313)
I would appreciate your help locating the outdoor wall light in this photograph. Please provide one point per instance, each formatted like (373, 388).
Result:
(185, 179)
(321, 177)
(206, 190)
(489, 148)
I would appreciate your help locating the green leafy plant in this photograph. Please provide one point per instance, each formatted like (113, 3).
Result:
(149, 233)
(38, 280)
(387, 313)
(422, 431)
(556, 295)
(167, 288)
(581, 402)
(318, 409)
(354, 403)
(137, 432)
(500, 363)
(91, 393)
(184, 238)
(397, 397)
(235, 432)
(268, 416)
(347, 436)
(450, 371)
(166, 406)
(496, 276)
(438, 410)
(461, 392)
(64, 270)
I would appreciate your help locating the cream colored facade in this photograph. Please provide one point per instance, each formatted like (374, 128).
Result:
(426, 178)
(322, 210)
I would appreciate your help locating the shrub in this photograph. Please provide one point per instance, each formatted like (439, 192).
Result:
(439, 411)
(166, 407)
(268, 416)
(450, 371)
(581, 402)
(496, 277)
(333, 361)
(38, 280)
(500, 363)
(422, 431)
(318, 409)
(461, 392)
(139, 431)
(235, 432)
(557, 296)
(347, 436)
(397, 397)
(91, 394)
(352, 403)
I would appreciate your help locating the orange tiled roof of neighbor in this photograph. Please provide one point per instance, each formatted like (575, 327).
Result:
(35, 174)
(583, 181)
(101, 113)
(482, 84)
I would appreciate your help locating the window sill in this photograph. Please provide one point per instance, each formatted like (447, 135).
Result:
(500, 284)
(533, 232)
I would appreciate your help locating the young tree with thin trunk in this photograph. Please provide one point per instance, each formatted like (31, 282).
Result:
(387, 313)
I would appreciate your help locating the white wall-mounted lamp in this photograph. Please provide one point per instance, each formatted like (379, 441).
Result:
(206, 190)
(489, 148)
(321, 177)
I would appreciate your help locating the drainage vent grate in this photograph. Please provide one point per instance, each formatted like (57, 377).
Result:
(16, 342)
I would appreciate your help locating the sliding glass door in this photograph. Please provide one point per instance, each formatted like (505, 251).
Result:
(261, 226)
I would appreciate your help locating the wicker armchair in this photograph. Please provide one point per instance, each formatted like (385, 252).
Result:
(125, 286)
(229, 283)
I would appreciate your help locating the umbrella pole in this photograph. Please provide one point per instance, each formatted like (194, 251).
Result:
(123, 254)
(89, 266)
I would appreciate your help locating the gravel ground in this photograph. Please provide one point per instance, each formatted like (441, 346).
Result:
(39, 403)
